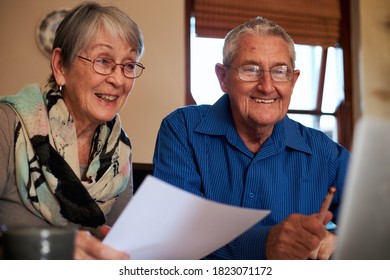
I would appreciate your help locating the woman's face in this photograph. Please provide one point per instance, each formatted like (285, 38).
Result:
(93, 98)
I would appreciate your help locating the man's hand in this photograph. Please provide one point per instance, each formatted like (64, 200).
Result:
(299, 237)
(326, 248)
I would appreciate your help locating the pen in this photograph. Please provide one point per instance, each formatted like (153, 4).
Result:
(326, 203)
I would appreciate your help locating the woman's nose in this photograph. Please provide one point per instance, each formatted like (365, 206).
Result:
(117, 76)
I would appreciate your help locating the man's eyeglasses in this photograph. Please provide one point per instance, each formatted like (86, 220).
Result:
(106, 66)
(253, 73)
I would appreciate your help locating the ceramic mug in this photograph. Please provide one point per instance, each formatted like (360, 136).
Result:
(38, 243)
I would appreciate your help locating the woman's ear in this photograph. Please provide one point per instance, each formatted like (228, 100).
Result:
(57, 66)
(220, 70)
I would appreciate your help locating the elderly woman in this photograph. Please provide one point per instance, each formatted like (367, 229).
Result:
(65, 159)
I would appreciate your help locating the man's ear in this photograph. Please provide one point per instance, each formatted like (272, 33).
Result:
(57, 66)
(220, 70)
(296, 76)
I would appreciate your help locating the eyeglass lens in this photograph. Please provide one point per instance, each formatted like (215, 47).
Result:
(280, 73)
(107, 66)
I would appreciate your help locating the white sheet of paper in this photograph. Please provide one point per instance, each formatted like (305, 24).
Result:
(164, 222)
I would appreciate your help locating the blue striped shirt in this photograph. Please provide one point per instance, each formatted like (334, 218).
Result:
(199, 150)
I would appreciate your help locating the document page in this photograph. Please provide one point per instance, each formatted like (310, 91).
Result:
(164, 222)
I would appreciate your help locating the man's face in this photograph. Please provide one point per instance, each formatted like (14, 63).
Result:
(261, 103)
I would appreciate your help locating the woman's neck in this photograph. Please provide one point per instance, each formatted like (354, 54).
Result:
(84, 143)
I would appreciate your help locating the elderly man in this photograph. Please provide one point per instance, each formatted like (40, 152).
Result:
(245, 151)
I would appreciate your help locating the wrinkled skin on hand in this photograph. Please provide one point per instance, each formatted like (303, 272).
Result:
(88, 247)
(326, 248)
(301, 237)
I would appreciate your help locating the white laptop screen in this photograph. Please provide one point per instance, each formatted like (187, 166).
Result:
(364, 222)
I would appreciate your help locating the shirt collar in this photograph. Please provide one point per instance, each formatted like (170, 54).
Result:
(292, 135)
(218, 121)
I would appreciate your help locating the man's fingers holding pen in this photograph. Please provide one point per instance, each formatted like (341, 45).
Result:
(313, 225)
(296, 237)
(326, 248)
(328, 217)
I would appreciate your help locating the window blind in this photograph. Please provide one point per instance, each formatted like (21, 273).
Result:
(309, 22)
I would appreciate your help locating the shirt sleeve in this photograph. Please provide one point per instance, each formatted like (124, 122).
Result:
(173, 160)
(338, 172)
(251, 244)
(175, 163)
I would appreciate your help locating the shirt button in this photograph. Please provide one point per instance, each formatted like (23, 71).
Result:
(251, 195)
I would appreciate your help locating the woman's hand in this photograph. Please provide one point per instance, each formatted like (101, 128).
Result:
(88, 247)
